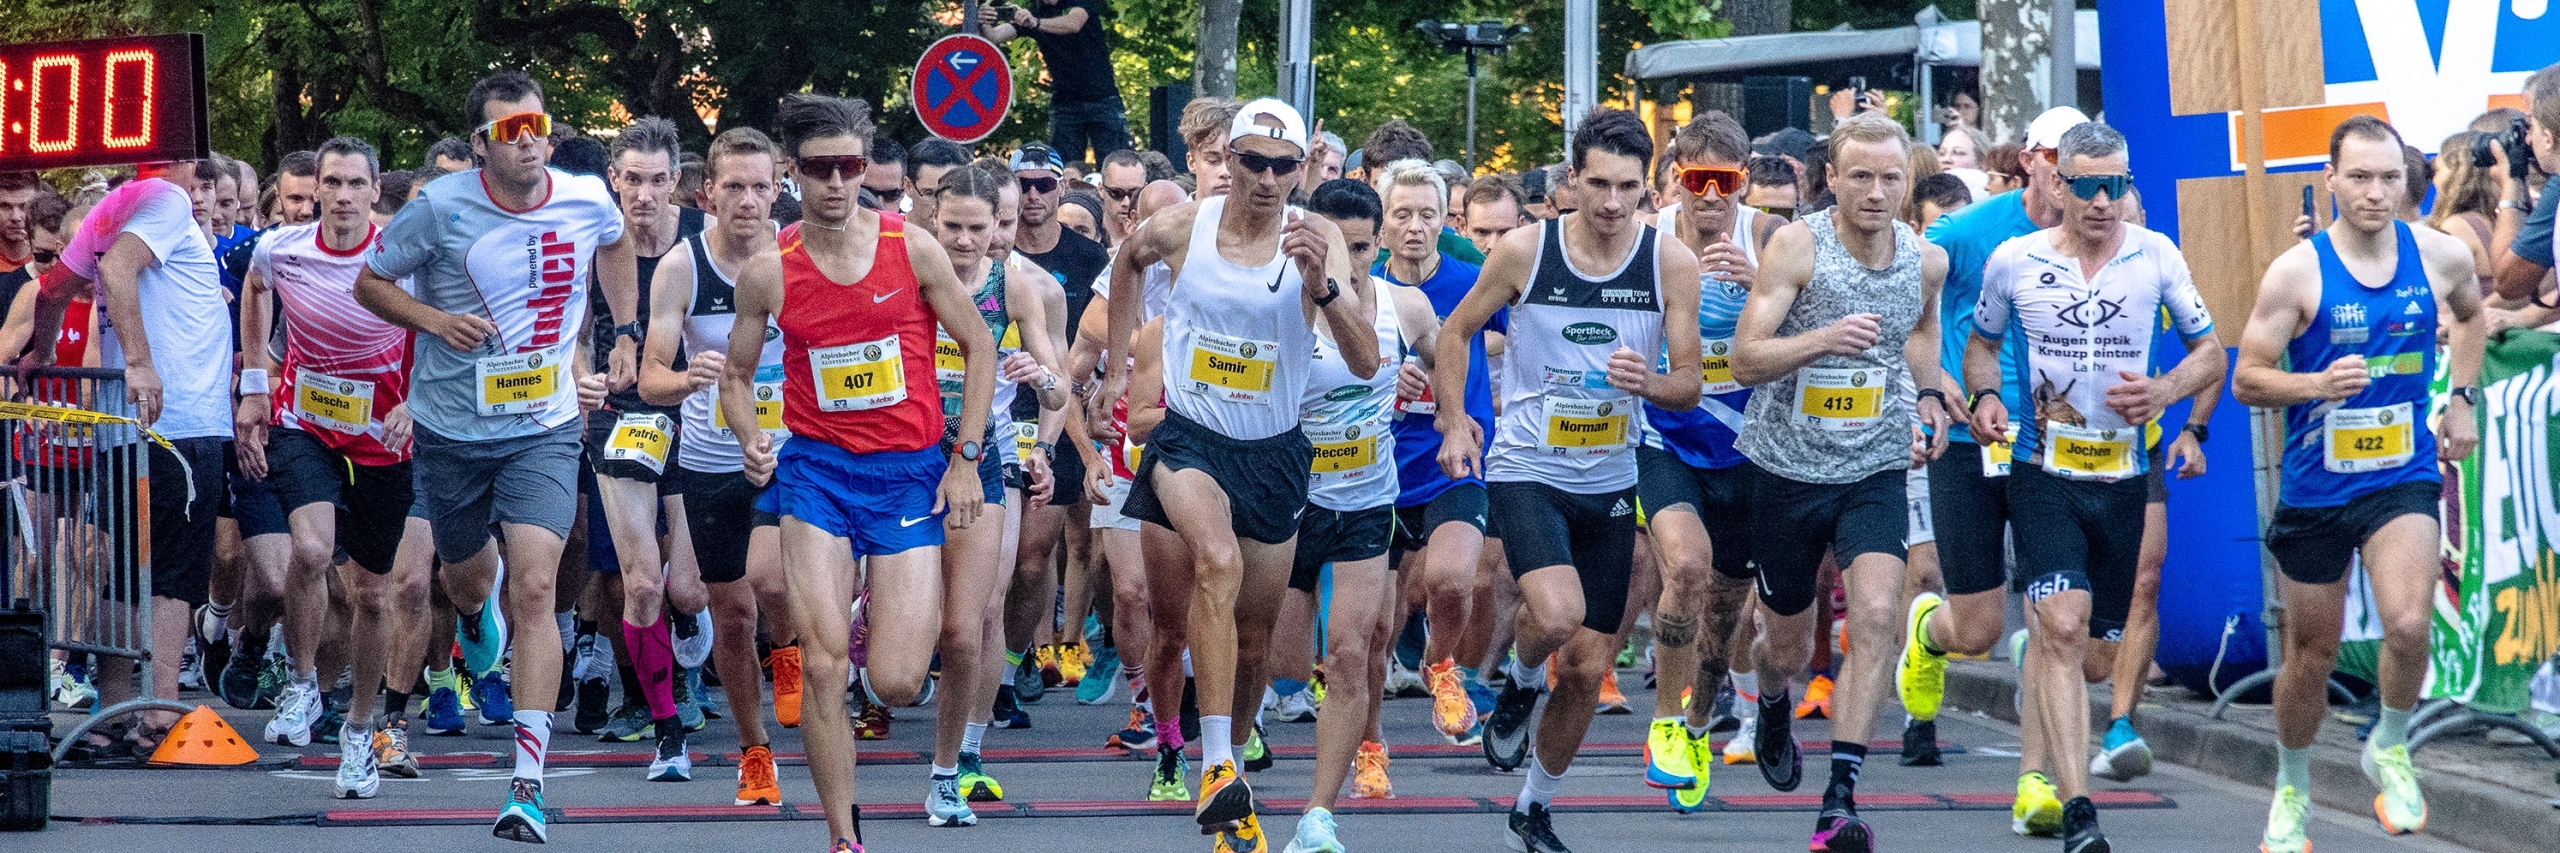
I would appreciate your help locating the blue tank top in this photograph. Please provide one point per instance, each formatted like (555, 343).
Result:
(1417, 439)
(2336, 452)
(1703, 437)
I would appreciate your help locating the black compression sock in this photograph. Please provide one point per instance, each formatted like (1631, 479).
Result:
(1846, 760)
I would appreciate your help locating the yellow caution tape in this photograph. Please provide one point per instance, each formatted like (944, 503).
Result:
(12, 410)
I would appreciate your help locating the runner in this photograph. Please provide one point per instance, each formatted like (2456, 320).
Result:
(2084, 295)
(1561, 479)
(738, 548)
(1689, 475)
(1350, 518)
(1075, 261)
(2356, 310)
(864, 484)
(500, 257)
(339, 444)
(1232, 429)
(1845, 301)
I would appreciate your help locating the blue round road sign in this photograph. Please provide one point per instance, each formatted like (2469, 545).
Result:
(962, 88)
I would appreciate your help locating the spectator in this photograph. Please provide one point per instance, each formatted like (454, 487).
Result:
(2417, 176)
(1395, 140)
(1963, 147)
(450, 154)
(1963, 110)
(2004, 171)
(2466, 192)
(1124, 176)
(1494, 206)
(1084, 97)
(1204, 139)
(1936, 196)
(1772, 185)
(1334, 154)
(886, 175)
(45, 219)
(18, 193)
(2524, 242)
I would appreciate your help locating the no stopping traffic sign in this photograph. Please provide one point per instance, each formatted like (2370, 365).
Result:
(962, 88)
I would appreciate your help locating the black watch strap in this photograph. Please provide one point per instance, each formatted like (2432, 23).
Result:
(2201, 433)
(633, 331)
(1332, 291)
(1974, 400)
(2466, 393)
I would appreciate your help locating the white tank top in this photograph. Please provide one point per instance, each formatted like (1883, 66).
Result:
(1235, 337)
(1562, 423)
(708, 446)
(1348, 420)
(1667, 220)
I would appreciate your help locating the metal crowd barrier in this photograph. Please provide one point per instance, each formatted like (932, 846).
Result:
(79, 528)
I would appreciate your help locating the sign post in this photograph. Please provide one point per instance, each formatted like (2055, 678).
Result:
(962, 88)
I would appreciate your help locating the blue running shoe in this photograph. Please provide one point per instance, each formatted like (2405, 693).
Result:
(483, 639)
(497, 707)
(1102, 680)
(444, 712)
(522, 819)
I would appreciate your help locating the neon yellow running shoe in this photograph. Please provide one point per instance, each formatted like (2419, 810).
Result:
(2400, 807)
(2284, 823)
(1668, 755)
(1921, 675)
(2038, 811)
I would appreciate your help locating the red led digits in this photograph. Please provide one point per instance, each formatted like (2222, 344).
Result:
(68, 104)
(126, 120)
(53, 108)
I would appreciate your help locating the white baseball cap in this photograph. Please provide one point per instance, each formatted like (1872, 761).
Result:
(1292, 129)
(2046, 131)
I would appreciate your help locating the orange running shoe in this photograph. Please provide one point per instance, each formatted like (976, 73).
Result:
(785, 662)
(1612, 701)
(1816, 704)
(755, 778)
(1226, 802)
(872, 723)
(1451, 711)
(1369, 773)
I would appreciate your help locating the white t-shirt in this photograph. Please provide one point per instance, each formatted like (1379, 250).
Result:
(184, 310)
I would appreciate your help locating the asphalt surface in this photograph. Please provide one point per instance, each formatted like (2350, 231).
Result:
(1067, 793)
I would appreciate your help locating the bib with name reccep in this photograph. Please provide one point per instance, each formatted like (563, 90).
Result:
(525, 383)
(2375, 439)
(1841, 399)
(1349, 418)
(860, 376)
(344, 405)
(643, 438)
(2081, 453)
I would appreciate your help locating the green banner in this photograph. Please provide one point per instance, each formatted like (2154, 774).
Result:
(2497, 617)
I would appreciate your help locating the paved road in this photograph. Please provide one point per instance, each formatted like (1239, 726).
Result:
(1447, 800)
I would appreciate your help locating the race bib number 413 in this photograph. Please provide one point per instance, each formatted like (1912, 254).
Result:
(1840, 399)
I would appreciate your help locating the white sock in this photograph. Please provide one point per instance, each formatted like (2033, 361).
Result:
(568, 631)
(1745, 683)
(533, 741)
(1186, 663)
(1217, 742)
(941, 772)
(971, 736)
(1539, 787)
(1529, 677)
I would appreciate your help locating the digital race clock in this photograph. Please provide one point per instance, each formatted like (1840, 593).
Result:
(102, 102)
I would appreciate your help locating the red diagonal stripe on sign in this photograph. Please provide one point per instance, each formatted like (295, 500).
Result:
(960, 87)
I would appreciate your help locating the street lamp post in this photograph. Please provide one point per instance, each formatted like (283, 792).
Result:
(1487, 36)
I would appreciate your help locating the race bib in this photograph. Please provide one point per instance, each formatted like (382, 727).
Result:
(523, 383)
(1424, 406)
(768, 408)
(1130, 454)
(1840, 399)
(858, 376)
(2081, 453)
(642, 438)
(2373, 439)
(1349, 447)
(1577, 427)
(1996, 455)
(950, 368)
(344, 405)
(1716, 358)
(1026, 435)
(1233, 369)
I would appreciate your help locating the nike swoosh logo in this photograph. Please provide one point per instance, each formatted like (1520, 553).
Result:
(885, 296)
(911, 522)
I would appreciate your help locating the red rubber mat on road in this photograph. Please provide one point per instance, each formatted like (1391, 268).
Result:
(597, 759)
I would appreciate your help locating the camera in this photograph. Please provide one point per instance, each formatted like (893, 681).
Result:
(2519, 152)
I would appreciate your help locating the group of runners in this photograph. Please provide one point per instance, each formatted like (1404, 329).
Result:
(949, 406)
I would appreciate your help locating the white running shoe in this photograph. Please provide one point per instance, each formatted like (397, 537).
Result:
(692, 651)
(1402, 682)
(359, 774)
(296, 708)
(1298, 707)
(69, 692)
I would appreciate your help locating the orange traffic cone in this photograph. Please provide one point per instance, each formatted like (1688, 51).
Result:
(201, 737)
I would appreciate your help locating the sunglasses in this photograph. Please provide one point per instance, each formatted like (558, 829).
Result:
(515, 128)
(889, 197)
(1787, 212)
(2050, 155)
(1697, 179)
(1277, 166)
(847, 166)
(1123, 195)
(1043, 186)
(2088, 186)
(43, 257)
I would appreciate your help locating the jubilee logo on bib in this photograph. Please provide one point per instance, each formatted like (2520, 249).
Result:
(1589, 334)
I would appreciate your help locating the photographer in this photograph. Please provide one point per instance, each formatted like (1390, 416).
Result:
(2524, 241)
(1085, 110)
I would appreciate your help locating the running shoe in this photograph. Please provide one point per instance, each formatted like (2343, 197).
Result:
(1920, 743)
(191, 668)
(2038, 810)
(2123, 756)
(71, 691)
(1225, 799)
(1171, 769)
(1008, 713)
(497, 705)
(1073, 663)
(756, 784)
(630, 724)
(444, 712)
(944, 806)
(1404, 683)
(483, 640)
(1534, 831)
(296, 710)
(688, 689)
(1139, 737)
(974, 781)
(2080, 828)
(785, 662)
(1774, 745)
(1255, 754)
(391, 749)
(1451, 711)
(333, 714)
(1029, 681)
(1369, 773)
(522, 818)
(2284, 823)
(1044, 660)
(673, 762)
(1744, 748)
(359, 777)
(1297, 707)
(1920, 674)
(238, 682)
(1244, 837)
(1667, 754)
(1612, 701)
(1506, 732)
(272, 677)
(1101, 682)
(1839, 830)
(1315, 834)
(1721, 717)
(872, 723)
(1817, 700)
(1702, 757)
(692, 638)
(594, 705)
(2400, 807)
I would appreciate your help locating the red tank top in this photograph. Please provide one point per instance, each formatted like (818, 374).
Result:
(51, 445)
(858, 358)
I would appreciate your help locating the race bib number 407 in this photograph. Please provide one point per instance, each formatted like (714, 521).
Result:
(859, 376)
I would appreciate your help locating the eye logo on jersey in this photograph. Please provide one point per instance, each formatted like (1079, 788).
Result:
(1589, 334)
(771, 333)
(2092, 312)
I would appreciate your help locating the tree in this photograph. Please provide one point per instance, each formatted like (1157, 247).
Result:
(1213, 73)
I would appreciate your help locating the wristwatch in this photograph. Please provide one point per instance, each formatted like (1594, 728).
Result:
(2199, 431)
(1045, 448)
(630, 330)
(1940, 396)
(2467, 393)
(1332, 291)
(1974, 400)
(971, 451)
